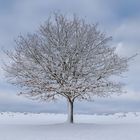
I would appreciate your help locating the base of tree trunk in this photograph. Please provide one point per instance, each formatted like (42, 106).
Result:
(70, 111)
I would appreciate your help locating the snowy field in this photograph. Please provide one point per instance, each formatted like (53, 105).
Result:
(29, 126)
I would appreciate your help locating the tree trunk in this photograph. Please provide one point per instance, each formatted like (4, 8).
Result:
(70, 111)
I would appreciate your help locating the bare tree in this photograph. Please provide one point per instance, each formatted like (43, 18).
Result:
(67, 58)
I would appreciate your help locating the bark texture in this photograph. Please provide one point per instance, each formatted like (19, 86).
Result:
(70, 111)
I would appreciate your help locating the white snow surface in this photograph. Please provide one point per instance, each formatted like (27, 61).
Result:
(44, 126)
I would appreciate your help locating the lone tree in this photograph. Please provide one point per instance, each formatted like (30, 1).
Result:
(66, 58)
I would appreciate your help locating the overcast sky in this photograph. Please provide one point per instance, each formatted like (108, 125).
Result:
(118, 18)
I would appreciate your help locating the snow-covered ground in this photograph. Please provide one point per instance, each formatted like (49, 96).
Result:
(43, 126)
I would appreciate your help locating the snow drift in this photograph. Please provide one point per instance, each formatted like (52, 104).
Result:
(43, 126)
